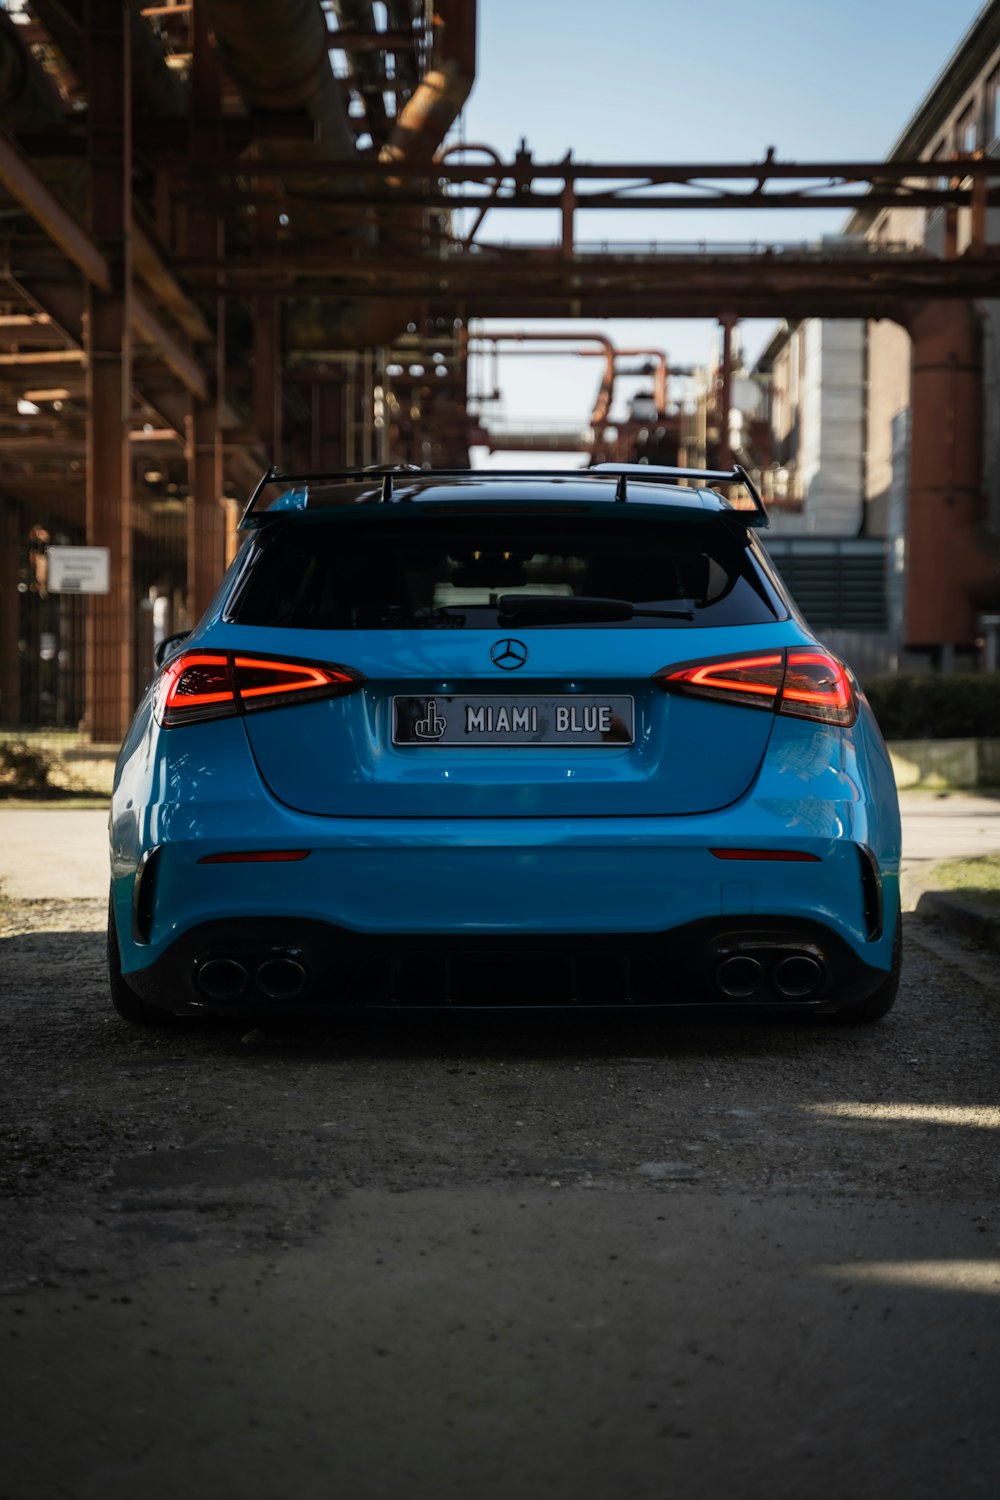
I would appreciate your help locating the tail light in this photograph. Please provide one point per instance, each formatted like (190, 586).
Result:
(803, 683)
(200, 685)
(818, 686)
(754, 681)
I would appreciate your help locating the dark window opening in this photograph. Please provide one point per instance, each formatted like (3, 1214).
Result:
(428, 572)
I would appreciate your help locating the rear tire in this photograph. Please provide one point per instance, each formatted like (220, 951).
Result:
(880, 1001)
(124, 999)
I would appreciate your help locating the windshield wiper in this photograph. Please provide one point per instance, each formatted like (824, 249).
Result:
(544, 607)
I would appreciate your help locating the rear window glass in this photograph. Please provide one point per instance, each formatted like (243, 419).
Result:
(436, 572)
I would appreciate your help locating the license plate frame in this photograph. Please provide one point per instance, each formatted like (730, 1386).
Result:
(540, 721)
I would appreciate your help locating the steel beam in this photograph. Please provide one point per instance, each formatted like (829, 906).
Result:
(47, 359)
(950, 569)
(266, 374)
(149, 265)
(11, 539)
(206, 530)
(24, 184)
(526, 170)
(62, 303)
(537, 282)
(206, 517)
(111, 623)
(20, 179)
(392, 199)
(148, 329)
(723, 405)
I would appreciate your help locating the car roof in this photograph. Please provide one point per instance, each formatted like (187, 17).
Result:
(679, 491)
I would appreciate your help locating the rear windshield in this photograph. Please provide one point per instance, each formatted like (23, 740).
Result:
(448, 572)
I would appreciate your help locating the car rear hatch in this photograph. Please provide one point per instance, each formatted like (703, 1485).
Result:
(508, 662)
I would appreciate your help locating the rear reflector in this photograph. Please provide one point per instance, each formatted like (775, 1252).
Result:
(791, 854)
(199, 685)
(255, 857)
(804, 683)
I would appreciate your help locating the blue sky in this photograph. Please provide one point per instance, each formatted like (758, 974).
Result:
(651, 81)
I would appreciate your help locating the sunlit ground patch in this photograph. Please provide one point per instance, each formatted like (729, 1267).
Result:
(971, 1116)
(979, 1276)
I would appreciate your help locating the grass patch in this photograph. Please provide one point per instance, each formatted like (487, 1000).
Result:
(978, 879)
(57, 801)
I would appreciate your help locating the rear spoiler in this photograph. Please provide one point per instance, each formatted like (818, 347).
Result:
(372, 474)
(384, 477)
(651, 473)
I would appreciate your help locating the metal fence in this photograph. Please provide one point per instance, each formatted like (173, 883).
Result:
(43, 634)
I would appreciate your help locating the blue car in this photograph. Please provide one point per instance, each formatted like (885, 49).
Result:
(466, 738)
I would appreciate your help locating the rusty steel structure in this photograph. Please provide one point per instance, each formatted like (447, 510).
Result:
(627, 440)
(221, 247)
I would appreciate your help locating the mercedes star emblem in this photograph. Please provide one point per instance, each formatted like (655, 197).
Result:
(508, 655)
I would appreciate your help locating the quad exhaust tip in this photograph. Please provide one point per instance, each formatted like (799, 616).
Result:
(740, 976)
(281, 978)
(222, 979)
(794, 975)
(226, 979)
(798, 976)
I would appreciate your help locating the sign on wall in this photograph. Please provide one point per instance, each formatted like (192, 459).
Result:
(79, 570)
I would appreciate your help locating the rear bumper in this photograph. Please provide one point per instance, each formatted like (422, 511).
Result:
(642, 905)
(294, 967)
(498, 876)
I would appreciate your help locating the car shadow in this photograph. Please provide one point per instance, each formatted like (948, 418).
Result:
(60, 978)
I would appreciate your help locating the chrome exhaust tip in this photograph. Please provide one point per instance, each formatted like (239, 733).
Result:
(798, 976)
(739, 976)
(281, 978)
(221, 979)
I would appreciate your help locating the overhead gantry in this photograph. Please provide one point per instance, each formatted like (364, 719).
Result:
(212, 239)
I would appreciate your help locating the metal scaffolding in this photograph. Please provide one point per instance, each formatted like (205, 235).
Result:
(233, 252)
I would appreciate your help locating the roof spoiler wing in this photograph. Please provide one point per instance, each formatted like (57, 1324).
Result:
(641, 473)
(653, 473)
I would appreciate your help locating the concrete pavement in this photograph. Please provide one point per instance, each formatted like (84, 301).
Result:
(57, 854)
(949, 825)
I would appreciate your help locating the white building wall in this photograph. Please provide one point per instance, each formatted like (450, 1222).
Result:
(839, 484)
(830, 457)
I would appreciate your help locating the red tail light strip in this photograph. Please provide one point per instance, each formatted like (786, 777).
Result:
(802, 683)
(200, 685)
(181, 679)
(818, 681)
(796, 855)
(727, 675)
(753, 680)
(299, 677)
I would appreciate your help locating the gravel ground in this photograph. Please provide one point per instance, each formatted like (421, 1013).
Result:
(569, 1254)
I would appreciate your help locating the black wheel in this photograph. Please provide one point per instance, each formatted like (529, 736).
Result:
(880, 1001)
(124, 999)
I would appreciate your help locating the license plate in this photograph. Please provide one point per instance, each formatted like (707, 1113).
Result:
(568, 719)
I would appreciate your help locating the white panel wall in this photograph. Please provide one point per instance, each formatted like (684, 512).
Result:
(836, 494)
(831, 430)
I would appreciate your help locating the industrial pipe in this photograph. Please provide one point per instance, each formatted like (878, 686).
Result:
(364, 67)
(278, 55)
(660, 377)
(437, 101)
(156, 88)
(606, 393)
(28, 99)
